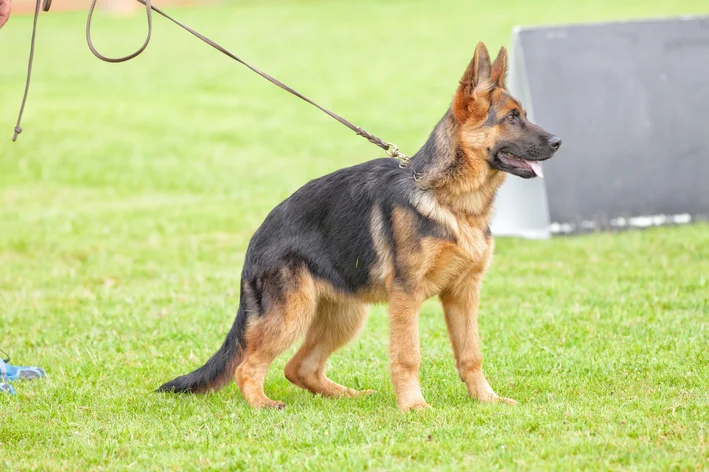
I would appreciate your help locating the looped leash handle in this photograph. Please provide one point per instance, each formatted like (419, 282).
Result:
(149, 13)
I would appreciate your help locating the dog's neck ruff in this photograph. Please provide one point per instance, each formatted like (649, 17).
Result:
(443, 167)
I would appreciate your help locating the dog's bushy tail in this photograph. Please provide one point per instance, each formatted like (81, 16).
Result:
(219, 370)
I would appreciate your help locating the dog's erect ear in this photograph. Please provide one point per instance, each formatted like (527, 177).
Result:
(499, 68)
(474, 86)
(479, 70)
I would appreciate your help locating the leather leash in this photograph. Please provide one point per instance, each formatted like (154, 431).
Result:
(47, 5)
(391, 149)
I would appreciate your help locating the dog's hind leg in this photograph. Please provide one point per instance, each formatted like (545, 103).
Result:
(272, 332)
(335, 324)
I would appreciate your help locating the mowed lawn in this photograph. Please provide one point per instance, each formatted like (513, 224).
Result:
(128, 202)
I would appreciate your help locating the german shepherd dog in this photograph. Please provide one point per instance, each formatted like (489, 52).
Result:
(380, 232)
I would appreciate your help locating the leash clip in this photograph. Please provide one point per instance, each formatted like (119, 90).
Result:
(404, 163)
(393, 152)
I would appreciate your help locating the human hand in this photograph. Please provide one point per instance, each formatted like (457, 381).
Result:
(5, 7)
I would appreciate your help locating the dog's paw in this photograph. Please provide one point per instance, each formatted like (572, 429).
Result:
(418, 405)
(481, 391)
(345, 392)
(503, 400)
(495, 398)
(270, 405)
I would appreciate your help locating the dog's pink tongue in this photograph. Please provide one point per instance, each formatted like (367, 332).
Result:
(536, 167)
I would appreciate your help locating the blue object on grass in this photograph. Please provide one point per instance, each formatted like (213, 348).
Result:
(6, 388)
(12, 372)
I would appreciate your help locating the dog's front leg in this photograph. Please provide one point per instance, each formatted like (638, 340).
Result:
(460, 305)
(404, 350)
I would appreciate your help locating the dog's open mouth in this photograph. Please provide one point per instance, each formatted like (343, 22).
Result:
(519, 163)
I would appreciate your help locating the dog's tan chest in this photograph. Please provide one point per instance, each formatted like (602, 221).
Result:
(448, 261)
(473, 242)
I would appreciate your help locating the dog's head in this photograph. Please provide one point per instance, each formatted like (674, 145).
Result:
(493, 125)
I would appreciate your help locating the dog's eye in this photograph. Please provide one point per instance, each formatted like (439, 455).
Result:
(513, 115)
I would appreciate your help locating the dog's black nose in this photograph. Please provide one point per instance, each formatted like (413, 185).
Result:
(555, 143)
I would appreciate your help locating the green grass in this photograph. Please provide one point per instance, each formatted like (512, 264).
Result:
(128, 202)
